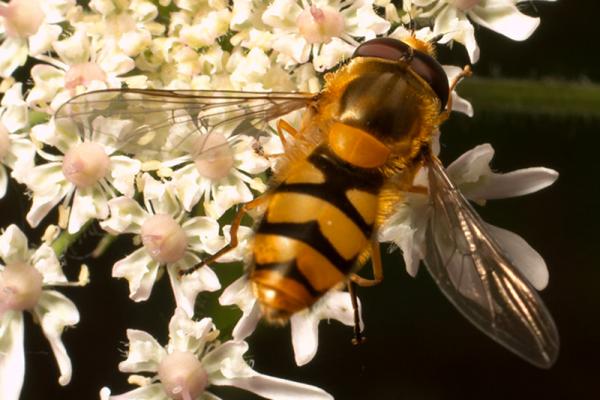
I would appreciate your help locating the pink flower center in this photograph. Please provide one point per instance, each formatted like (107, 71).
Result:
(4, 142)
(319, 25)
(182, 375)
(164, 238)
(20, 287)
(464, 5)
(85, 164)
(22, 18)
(213, 156)
(83, 74)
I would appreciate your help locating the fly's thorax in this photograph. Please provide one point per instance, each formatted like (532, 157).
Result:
(385, 99)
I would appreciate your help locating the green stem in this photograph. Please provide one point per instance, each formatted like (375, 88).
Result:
(550, 97)
(66, 239)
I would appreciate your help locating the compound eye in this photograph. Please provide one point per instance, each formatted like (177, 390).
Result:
(423, 64)
(386, 48)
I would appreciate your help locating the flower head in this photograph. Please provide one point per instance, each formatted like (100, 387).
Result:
(86, 174)
(326, 30)
(169, 238)
(26, 281)
(452, 16)
(193, 361)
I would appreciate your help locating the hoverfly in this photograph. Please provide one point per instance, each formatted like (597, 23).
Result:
(362, 140)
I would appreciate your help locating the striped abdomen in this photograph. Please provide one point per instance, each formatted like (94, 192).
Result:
(318, 222)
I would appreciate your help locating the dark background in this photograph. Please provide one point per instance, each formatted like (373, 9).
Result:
(418, 346)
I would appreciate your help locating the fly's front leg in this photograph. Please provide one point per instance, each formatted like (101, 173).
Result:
(466, 72)
(376, 265)
(235, 225)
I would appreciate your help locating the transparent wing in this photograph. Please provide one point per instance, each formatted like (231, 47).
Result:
(162, 124)
(471, 270)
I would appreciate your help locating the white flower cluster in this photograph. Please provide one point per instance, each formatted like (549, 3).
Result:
(172, 207)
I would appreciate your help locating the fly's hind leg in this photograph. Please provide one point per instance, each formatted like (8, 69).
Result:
(235, 225)
(364, 282)
(358, 336)
(376, 265)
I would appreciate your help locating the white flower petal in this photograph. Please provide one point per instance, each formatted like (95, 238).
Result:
(16, 113)
(12, 355)
(48, 80)
(122, 174)
(140, 270)
(3, 181)
(42, 40)
(154, 391)
(44, 202)
(201, 231)
(45, 261)
(187, 287)
(332, 53)
(503, 17)
(240, 294)
(247, 322)
(20, 158)
(119, 63)
(529, 262)
(55, 312)
(187, 335)
(226, 196)
(337, 305)
(126, 216)
(472, 174)
(305, 336)
(62, 134)
(88, 203)
(512, 184)
(471, 165)
(244, 234)
(188, 186)
(235, 372)
(13, 245)
(144, 353)
(406, 228)
(13, 53)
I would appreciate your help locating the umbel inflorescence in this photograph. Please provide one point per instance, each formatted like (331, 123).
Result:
(171, 199)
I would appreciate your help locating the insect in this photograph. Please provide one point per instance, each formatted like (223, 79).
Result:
(361, 142)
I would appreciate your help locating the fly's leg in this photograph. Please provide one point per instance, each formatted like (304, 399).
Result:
(466, 72)
(235, 225)
(283, 125)
(358, 336)
(376, 265)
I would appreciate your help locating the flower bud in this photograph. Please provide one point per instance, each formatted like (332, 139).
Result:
(85, 164)
(319, 25)
(164, 238)
(22, 18)
(4, 142)
(464, 5)
(83, 74)
(213, 156)
(20, 287)
(182, 376)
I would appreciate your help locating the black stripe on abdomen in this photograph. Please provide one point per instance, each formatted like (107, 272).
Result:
(309, 233)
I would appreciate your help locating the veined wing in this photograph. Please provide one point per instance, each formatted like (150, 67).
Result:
(474, 274)
(163, 124)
